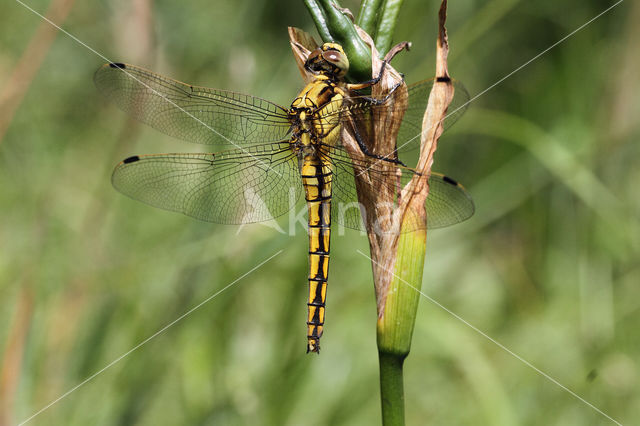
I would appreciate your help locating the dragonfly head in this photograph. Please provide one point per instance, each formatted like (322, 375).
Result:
(329, 60)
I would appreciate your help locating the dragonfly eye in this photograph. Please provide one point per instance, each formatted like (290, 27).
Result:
(313, 61)
(332, 56)
(313, 55)
(329, 59)
(338, 59)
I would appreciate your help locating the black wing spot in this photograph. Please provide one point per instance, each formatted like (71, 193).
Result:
(132, 159)
(118, 65)
(449, 180)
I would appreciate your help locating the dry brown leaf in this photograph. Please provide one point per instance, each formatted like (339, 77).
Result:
(302, 44)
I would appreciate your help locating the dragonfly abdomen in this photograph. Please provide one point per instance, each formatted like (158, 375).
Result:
(316, 179)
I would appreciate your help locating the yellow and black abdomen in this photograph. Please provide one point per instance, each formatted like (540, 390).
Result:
(316, 179)
(314, 134)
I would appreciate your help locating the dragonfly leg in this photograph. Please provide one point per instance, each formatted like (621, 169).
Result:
(380, 101)
(365, 150)
(393, 52)
(368, 83)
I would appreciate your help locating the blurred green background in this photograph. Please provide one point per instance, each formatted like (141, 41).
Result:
(549, 266)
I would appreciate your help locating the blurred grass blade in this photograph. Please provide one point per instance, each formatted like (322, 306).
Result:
(15, 88)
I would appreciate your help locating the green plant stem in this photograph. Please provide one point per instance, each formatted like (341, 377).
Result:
(395, 326)
(386, 25)
(391, 389)
(319, 19)
(368, 16)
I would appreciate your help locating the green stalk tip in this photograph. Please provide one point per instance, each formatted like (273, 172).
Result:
(387, 25)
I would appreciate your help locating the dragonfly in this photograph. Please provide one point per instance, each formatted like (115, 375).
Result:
(272, 155)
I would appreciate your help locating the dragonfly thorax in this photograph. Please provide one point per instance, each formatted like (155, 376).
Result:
(317, 93)
(308, 114)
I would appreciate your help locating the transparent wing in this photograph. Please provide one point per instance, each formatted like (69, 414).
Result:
(418, 93)
(232, 187)
(448, 202)
(195, 114)
(365, 110)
